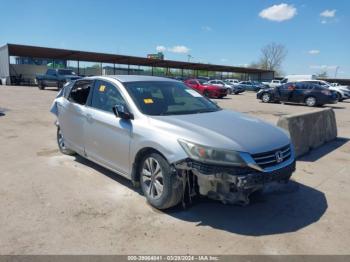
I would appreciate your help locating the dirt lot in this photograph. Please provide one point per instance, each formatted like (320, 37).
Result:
(55, 204)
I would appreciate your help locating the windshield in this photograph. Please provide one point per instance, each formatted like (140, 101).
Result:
(168, 98)
(325, 84)
(66, 72)
(202, 82)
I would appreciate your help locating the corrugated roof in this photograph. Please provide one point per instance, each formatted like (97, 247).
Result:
(65, 54)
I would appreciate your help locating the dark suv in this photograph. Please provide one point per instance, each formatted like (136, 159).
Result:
(298, 92)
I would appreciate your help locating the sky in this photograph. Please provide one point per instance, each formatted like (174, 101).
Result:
(316, 33)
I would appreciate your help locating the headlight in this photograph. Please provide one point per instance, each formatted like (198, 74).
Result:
(212, 155)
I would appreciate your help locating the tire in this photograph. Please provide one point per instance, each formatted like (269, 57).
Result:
(339, 97)
(266, 98)
(60, 85)
(41, 85)
(311, 101)
(161, 187)
(206, 93)
(60, 142)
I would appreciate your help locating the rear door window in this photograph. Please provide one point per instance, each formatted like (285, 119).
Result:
(80, 92)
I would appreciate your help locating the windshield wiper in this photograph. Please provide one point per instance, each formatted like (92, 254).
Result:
(207, 111)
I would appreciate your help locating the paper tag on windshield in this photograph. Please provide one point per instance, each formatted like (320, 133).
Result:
(148, 101)
(102, 88)
(193, 93)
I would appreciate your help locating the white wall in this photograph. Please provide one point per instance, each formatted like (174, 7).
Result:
(4, 64)
(27, 71)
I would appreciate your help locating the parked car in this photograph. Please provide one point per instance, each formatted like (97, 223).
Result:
(298, 92)
(232, 81)
(202, 86)
(56, 78)
(236, 88)
(273, 83)
(343, 92)
(251, 85)
(216, 82)
(167, 137)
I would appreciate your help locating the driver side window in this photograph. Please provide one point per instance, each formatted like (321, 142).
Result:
(105, 96)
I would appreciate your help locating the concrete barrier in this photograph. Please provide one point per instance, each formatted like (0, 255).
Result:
(310, 130)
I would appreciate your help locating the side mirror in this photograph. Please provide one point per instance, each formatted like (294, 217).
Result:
(122, 112)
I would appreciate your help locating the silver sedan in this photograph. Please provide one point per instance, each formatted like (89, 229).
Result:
(169, 139)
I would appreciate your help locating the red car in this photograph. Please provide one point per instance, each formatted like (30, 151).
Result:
(206, 89)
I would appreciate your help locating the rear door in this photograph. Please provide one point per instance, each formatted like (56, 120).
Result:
(107, 138)
(72, 114)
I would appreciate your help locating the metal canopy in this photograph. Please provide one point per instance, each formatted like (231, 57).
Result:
(54, 53)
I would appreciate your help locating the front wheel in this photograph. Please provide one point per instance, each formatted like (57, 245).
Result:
(339, 97)
(206, 93)
(61, 144)
(41, 85)
(161, 187)
(311, 101)
(266, 98)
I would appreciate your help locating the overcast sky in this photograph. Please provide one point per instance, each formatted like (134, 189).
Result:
(316, 33)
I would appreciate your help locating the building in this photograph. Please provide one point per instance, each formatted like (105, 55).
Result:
(20, 63)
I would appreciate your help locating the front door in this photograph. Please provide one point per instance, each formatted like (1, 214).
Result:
(107, 138)
(285, 92)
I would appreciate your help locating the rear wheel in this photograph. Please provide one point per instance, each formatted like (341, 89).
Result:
(160, 186)
(311, 101)
(61, 144)
(60, 85)
(266, 98)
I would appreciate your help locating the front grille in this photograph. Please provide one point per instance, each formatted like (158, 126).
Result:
(269, 159)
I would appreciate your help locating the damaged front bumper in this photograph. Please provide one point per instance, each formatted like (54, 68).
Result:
(234, 184)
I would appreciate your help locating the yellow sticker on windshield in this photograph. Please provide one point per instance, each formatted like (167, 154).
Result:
(102, 88)
(148, 101)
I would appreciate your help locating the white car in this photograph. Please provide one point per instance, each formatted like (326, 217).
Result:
(232, 81)
(273, 83)
(221, 83)
(343, 92)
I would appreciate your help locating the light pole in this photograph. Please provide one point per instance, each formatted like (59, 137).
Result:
(189, 57)
(336, 72)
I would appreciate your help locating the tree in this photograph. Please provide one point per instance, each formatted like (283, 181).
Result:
(323, 74)
(272, 57)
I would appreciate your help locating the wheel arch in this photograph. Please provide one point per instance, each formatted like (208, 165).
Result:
(135, 176)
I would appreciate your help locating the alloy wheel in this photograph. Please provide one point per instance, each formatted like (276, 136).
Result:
(152, 177)
(310, 101)
(266, 98)
(60, 140)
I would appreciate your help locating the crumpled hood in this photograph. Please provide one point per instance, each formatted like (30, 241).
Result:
(224, 129)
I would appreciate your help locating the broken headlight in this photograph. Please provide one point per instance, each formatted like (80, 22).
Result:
(212, 155)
